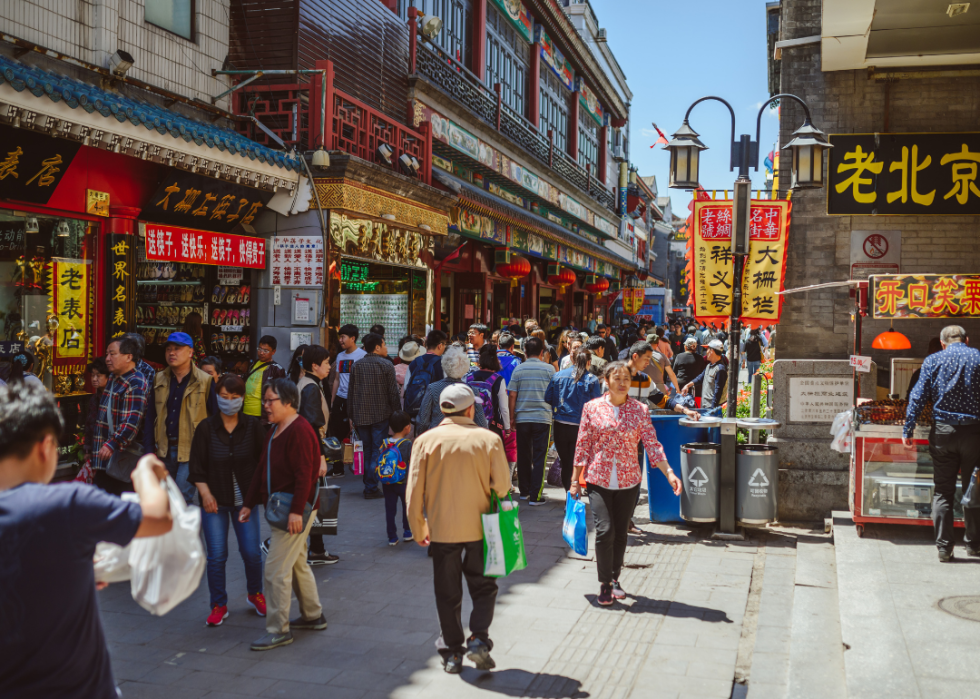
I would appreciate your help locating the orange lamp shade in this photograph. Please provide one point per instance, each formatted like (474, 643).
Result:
(891, 339)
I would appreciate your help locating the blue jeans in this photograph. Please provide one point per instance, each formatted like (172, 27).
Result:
(393, 493)
(215, 525)
(180, 472)
(372, 436)
(753, 368)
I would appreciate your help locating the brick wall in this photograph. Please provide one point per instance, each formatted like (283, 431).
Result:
(816, 325)
(92, 30)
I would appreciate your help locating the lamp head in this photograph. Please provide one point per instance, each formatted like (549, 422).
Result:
(321, 158)
(384, 153)
(808, 145)
(429, 26)
(120, 62)
(685, 148)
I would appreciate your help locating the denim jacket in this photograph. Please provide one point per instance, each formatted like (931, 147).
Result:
(568, 396)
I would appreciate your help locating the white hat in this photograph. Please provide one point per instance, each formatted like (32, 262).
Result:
(457, 397)
(409, 351)
(716, 345)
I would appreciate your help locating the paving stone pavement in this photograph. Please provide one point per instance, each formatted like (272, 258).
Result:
(677, 634)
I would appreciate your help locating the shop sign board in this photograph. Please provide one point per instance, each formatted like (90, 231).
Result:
(297, 260)
(905, 174)
(860, 363)
(229, 276)
(516, 13)
(590, 103)
(8, 348)
(121, 295)
(554, 59)
(764, 272)
(96, 203)
(32, 164)
(926, 295)
(195, 201)
(172, 244)
(819, 399)
(69, 283)
(875, 252)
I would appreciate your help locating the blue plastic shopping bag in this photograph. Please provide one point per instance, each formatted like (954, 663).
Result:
(573, 530)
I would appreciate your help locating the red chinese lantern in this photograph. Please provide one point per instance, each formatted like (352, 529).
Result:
(596, 285)
(562, 277)
(517, 268)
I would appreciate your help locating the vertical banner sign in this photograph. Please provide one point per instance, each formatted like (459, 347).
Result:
(633, 300)
(926, 295)
(764, 272)
(120, 292)
(69, 304)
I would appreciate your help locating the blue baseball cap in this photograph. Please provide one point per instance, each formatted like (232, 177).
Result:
(180, 339)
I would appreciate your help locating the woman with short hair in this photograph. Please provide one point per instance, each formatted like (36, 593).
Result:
(224, 455)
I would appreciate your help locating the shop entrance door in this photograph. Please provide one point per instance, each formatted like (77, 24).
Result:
(468, 308)
(501, 305)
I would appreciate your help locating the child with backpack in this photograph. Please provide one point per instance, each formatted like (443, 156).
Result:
(488, 384)
(392, 472)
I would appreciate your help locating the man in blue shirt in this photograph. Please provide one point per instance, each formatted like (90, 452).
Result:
(508, 360)
(51, 638)
(951, 381)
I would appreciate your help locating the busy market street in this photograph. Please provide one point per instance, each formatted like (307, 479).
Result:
(560, 349)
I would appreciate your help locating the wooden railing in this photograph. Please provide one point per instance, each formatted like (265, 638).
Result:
(307, 115)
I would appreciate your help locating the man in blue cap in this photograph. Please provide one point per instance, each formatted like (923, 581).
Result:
(182, 396)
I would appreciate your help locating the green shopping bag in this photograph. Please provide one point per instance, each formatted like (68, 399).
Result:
(503, 540)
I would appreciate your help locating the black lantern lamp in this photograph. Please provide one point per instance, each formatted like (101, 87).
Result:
(808, 145)
(684, 148)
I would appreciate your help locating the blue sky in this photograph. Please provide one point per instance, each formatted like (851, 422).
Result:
(675, 51)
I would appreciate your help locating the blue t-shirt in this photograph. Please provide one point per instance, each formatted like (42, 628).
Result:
(51, 638)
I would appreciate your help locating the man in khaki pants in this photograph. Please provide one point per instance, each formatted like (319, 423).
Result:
(293, 455)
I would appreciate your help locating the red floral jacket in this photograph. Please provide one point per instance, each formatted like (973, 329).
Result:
(603, 437)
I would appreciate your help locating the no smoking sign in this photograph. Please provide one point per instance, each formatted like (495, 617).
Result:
(876, 246)
(875, 252)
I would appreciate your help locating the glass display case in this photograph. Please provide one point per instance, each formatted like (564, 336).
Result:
(383, 294)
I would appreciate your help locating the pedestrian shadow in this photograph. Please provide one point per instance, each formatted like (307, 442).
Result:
(521, 683)
(638, 604)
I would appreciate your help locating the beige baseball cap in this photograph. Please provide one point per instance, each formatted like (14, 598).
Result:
(457, 397)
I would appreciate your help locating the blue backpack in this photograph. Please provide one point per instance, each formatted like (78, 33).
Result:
(422, 370)
(391, 469)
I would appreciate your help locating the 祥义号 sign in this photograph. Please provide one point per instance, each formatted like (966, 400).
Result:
(904, 174)
(926, 295)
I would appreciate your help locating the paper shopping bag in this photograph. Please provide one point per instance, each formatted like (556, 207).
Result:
(503, 540)
(358, 467)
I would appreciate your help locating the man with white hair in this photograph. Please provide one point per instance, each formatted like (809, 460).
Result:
(455, 365)
(951, 381)
(688, 364)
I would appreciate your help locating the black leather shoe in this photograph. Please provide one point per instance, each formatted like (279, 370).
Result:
(453, 664)
(945, 556)
(373, 494)
(974, 552)
(318, 624)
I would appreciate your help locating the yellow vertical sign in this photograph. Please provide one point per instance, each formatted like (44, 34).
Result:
(69, 301)
(713, 267)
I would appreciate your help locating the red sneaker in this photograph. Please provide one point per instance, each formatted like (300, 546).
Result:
(258, 603)
(218, 615)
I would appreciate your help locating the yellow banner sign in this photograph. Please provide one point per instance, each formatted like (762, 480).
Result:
(69, 303)
(926, 295)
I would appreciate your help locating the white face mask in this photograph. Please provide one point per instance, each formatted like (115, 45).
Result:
(230, 406)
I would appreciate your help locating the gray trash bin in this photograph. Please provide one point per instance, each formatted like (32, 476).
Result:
(756, 483)
(700, 465)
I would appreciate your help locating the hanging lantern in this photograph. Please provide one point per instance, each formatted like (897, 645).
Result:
(517, 268)
(595, 284)
(891, 339)
(562, 277)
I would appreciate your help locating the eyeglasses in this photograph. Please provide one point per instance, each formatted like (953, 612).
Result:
(269, 401)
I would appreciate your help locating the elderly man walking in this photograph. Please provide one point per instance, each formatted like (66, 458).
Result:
(951, 381)
(455, 468)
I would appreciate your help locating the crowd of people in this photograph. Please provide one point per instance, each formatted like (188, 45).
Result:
(498, 401)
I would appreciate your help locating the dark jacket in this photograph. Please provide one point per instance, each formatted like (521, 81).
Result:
(568, 396)
(311, 408)
(215, 455)
(688, 365)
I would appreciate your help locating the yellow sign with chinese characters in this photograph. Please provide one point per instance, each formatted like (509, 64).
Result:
(96, 203)
(69, 305)
(911, 174)
(926, 295)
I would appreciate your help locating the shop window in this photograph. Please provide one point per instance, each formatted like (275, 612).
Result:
(507, 60)
(384, 294)
(47, 295)
(456, 19)
(553, 109)
(175, 16)
(588, 143)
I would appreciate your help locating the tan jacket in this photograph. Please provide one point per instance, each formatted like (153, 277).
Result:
(454, 468)
(193, 409)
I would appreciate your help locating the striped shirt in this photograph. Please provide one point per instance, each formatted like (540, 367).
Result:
(530, 382)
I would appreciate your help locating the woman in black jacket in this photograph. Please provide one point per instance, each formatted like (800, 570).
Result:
(310, 366)
(225, 453)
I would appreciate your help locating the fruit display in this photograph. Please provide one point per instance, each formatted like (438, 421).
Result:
(890, 411)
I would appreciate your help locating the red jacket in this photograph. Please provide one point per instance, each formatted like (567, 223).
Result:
(602, 437)
(295, 467)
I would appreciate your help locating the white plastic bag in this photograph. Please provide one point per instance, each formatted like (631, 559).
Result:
(167, 569)
(842, 432)
(111, 561)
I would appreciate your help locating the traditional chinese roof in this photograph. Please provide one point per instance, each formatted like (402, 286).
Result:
(111, 105)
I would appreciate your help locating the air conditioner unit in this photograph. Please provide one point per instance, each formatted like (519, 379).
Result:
(600, 35)
(618, 153)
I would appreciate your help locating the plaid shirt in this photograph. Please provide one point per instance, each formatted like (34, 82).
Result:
(126, 396)
(373, 392)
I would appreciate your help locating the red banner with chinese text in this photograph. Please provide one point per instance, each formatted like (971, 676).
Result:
(926, 295)
(173, 244)
(713, 267)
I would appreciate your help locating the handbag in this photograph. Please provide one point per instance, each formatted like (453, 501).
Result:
(122, 463)
(554, 473)
(277, 509)
(325, 520)
(358, 462)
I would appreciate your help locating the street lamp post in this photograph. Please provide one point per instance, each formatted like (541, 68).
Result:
(807, 146)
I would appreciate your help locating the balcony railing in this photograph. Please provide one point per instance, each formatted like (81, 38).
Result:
(292, 111)
(448, 74)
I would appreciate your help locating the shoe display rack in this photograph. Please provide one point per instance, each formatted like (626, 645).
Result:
(230, 323)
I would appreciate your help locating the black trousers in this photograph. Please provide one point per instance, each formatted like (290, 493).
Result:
(955, 449)
(611, 510)
(566, 437)
(450, 562)
(111, 485)
(532, 451)
(339, 427)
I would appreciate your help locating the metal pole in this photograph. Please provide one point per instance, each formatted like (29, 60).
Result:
(756, 405)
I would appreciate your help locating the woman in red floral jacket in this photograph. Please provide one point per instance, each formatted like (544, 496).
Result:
(611, 428)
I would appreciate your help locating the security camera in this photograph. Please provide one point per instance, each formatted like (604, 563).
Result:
(409, 165)
(120, 62)
(429, 26)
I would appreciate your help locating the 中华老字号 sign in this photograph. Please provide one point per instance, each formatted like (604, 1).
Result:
(926, 295)
(910, 174)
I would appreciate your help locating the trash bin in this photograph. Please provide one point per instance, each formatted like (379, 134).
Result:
(700, 466)
(756, 483)
(664, 505)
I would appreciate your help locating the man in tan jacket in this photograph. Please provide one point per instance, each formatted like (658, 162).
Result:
(454, 469)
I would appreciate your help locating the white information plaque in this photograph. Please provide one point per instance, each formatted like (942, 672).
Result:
(819, 398)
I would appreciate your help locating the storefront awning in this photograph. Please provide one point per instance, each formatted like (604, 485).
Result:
(85, 112)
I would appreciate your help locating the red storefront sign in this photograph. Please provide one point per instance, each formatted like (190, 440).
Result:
(172, 244)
